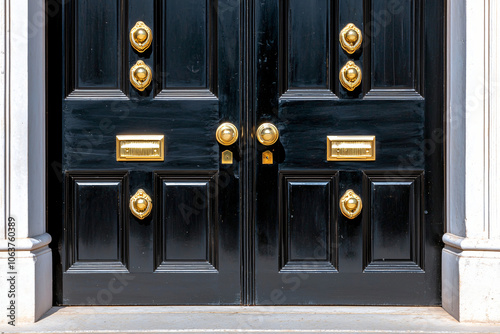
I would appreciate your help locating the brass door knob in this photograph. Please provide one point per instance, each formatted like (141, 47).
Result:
(350, 76)
(351, 204)
(140, 75)
(267, 134)
(350, 38)
(226, 134)
(141, 204)
(141, 37)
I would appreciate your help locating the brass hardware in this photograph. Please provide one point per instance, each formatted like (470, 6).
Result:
(267, 158)
(350, 38)
(141, 204)
(350, 76)
(226, 134)
(227, 157)
(351, 204)
(140, 148)
(140, 75)
(351, 148)
(141, 37)
(267, 134)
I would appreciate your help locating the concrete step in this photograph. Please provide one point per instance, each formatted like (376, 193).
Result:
(258, 319)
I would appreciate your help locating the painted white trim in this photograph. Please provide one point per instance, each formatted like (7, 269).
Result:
(473, 159)
(471, 258)
(469, 244)
(28, 244)
(494, 133)
(22, 141)
(455, 119)
(4, 116)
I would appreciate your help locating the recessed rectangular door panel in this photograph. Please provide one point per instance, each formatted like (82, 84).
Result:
(306, 26)
(95, 54)
(186, 234)
(308, 222)
(394, 229)
(395, 28)
(189, 35)
(98, 222)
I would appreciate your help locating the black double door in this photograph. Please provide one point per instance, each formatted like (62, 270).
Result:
(328, 189)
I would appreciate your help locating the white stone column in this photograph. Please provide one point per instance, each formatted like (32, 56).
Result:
(22, 141)
(471, 257)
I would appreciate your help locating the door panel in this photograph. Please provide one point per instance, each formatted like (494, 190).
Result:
(187, 251)
(253, 222)
(186, 233)
(189, 65)
(395, 49)
(96, 222)
(104, 19)
(393, 229)
(308, 237)
(307, 251)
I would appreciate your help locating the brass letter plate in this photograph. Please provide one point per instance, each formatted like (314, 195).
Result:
(140, 148)
(350, 148)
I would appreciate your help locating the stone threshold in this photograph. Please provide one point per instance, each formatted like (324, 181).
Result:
(255, 319)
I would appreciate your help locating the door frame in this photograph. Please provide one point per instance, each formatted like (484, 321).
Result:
(29, 158)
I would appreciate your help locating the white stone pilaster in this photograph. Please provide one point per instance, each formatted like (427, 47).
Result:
(471, 258)
(22, 141)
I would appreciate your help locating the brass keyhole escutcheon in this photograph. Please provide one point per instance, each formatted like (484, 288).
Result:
(141, 204)
(141, 37)
(227, 134)
(350, 76)
(267, 134)
(351, 204)
(350, 38)
(267, 158)
(140, 75)
(227, 157)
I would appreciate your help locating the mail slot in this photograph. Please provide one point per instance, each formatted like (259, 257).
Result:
(140, 148)
(351, 148)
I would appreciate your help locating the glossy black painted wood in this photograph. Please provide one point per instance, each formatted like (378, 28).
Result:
(95, 54)
(188, 250)
(393, 49)
(188, 65)
(96, 229)
(186, 235)
(394, 228)
(390, 254)
(394, 43)
(308, 238)
(262, 234)
(97, 32)
(54, 84)
(308, 25)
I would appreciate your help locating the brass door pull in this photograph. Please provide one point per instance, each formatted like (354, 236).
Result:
(350, 38)
(141, 37)
(351, 204)
(267, 134)
(140, 75)
(141, 204)
(350, 76)
(227, 134)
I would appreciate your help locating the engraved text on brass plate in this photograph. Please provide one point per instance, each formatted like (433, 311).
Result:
(351, 148)
(140, 148)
